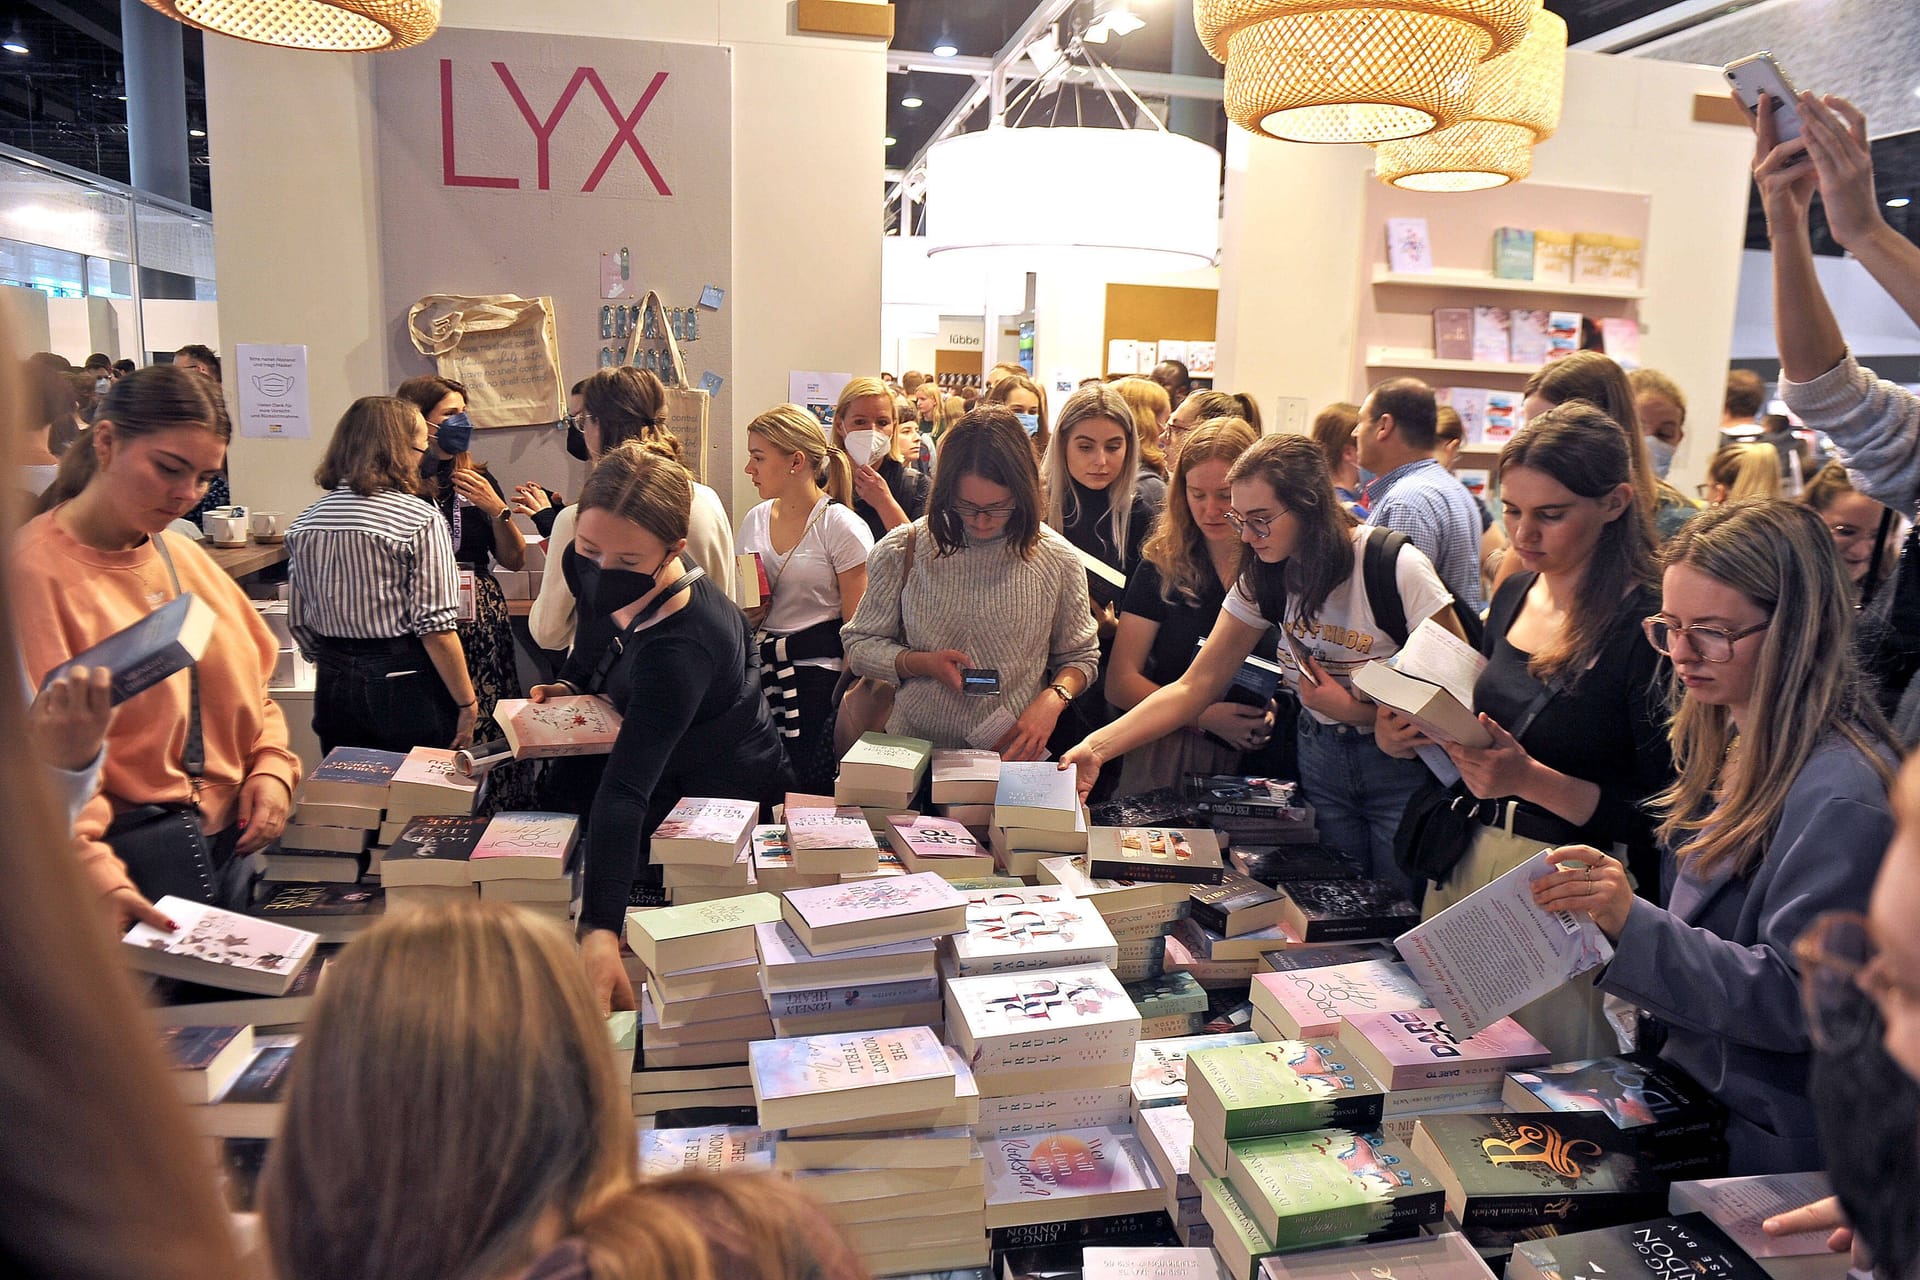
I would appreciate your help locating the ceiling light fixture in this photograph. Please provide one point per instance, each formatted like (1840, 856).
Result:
(891, 140)
(16, 41)
(1326, 71)
(945, 50)
(912, 103)
(1899, 202)
(196, 133)
(336, 26)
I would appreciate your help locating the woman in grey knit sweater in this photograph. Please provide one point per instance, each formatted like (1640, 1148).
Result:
(990, 587)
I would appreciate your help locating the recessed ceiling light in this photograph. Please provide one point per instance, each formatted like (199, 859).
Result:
(1899, 202)
(891, 139)
(946, 50)
(911, 103)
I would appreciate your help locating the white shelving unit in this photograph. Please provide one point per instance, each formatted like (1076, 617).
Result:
(1442, 278)
(1395, 358)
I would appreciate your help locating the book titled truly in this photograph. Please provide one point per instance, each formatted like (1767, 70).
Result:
(1010, 930)
(1553, 257)
(427, 782)
(1257, 1090)
(525, 846)
(220, 949)
(885, 762)
(849, 1077)
(700, 934)
(1414, 1049)
(1163, 854)
(1687, 1245)
(352, 775)
(1068, 1174)
(138, 657)
(1495, 950)
(939, 845)
(1034, 1022)
(1642, 1093)
(206, 1059)
(1453, 333)
(1512, 253)
(580, 724)
(1039, 794)
(433, 850)
(1345, 910)
(825, 839)
(1066, 1108)
(1409, 249)
(704, 832)
(1311, 1004)
(871, 913)
(965, 775)
(1331, 1184)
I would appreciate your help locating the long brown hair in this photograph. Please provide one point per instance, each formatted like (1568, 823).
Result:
(639, 484)
(454, 1088)
(629, 404)
(1725, 804)
(1602, 383)
(988, 442)
(1586, 452)
(1176, 546)
(150, 400)
(425, 392)
(372, 449)
(1323, 559)
(102, 1175)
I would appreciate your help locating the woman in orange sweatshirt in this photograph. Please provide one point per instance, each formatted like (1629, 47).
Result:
(92, 565)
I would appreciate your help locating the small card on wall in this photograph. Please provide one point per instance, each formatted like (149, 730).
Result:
(712, 296)
(616, 275)
(710, 382)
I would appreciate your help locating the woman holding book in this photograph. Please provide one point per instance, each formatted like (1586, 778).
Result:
(814, 551)
(662, 642)
(1306, 576)
(98, 562)
(1570, 694)
(888, 492)
(1774, 818)
(618, 405)
(979, 584)
(1173, 600)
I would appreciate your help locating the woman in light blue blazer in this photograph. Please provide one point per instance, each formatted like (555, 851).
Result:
(1779, 813)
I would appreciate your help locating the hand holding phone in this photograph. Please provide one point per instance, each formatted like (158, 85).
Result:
(983, 682)
(1760, 77)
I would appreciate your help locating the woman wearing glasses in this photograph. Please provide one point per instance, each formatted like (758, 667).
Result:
(1779, 813)
(979, 584)
(618, 405)
(1305, 574)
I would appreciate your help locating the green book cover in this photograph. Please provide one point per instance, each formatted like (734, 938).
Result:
(670, 923)
(1237, 1237)
(1283, 1086)
(1166, 995)
(1512, 253)
(1331, 1184)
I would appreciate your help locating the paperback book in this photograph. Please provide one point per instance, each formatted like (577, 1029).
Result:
(830, 841)
(1444, 1256)
(1453, 333)
(707, 1149)
(220, 949)
(1289, 1086)
(787, 965)
(965, 775)
(1528, 338)
(334, 912)
(252, 1105)
(885, 762)
(435, 849)
(1642, 1093)
(352, 775)
(1103, 1263)
(706, 832)
(1512, 253)
(870, 913)
(1345, 910)
(166, 641)
(1037, 795)
(1311, 1004)
(1409, 249)
(1164, 854)
(939, 845)
(850, 1076)
(1414, 1049)
(206, 1059)
(582, 724)
(1237, 905)
(1068, 1174)
(1331, 1184)
(701, 934)
(1009, 930)
(1292, 961)
(1032, 1021)
(525, 846)
(1686, 1245)
(1160, 1066)
(428, 782)
(1739, 1205)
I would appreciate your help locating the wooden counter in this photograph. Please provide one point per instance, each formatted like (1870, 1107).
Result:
(250, 559)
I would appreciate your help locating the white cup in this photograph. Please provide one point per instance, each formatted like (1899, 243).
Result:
(269, 526)
(227, 531)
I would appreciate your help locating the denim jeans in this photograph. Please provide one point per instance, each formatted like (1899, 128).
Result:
(1358, 792)
(384, 694)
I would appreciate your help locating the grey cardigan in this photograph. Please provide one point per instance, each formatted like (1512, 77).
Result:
(1717, 965)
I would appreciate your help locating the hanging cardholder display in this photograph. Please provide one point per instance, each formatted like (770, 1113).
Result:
(687, 404)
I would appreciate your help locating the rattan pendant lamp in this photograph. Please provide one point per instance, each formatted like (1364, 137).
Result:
(339, 26)
(1514, 104)
(1349, 71)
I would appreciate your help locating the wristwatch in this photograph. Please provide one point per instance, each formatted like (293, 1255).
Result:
(1066, 696)
(505, 516)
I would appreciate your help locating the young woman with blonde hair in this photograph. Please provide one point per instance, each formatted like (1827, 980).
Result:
(1779, 813)
(1742, 471)
(1151, 409)
(888, 492)
(1173, 600)
(814, 550)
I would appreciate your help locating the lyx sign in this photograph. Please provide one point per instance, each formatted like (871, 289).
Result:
(619, 124)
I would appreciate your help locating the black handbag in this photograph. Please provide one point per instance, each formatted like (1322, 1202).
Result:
(163, 846)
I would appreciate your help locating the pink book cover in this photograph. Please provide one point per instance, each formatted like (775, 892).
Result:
(725, 822)
(1047, 1000)
(1421, 1051)
(1471, 404)
(1490, 343)
(1320, 999)
(528, 835)
(1620, 339)
(571, 725)
(930, 837)
(1067, 1165)
(888, 898)
(843, 828)
(1408, 249)
(1527, 342)
(433, 767)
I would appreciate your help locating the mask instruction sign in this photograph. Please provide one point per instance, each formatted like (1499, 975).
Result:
(272, 387)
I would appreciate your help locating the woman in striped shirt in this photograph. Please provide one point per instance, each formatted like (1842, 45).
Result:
(375, 597)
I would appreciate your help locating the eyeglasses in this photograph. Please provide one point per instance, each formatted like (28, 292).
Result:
(1261, 525)
(1713, 644)
(1849, 532)
(1844, 983)
(967, 511)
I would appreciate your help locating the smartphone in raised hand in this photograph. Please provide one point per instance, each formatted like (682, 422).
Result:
(1759, 76)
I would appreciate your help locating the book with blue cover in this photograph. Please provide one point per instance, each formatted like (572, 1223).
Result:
(169, 639)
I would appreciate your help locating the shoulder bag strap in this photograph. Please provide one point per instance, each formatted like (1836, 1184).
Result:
(618, 645)
(194, 757)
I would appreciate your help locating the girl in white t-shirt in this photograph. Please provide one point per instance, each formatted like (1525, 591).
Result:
(1304, 574)
(813, 551)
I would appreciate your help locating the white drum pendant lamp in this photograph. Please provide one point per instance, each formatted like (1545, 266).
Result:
(339, 26)
(1345, 71)
(1514, 104)
(1032, 197)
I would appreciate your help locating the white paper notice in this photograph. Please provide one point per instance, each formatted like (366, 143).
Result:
(1494, 951)
(816, 392)
(272, 386)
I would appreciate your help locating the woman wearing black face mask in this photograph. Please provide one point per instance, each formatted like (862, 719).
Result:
(480, 522)
(537, 502)
(661, 641)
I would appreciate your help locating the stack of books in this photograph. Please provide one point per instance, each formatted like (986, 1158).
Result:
(826, 839)
(1167, 1134)
(866, 988)
(336, 817)
(1059, 1040)
(1311, 1004)
(427, 784)
(694, 1010)
(773, 870)
(1011, 930)
(704, 849)
(1036, 813)
(1264, 811)
(1645, 1096)
(524, 858)
(1685, 1244)
(705, 1149)
(1427, 1069)
(1141, 914)
(1173, 1004)
(906, 1194)
(965, 781)
(882, 774)
(335, 912)
(1069, 1175)
(1160, 1067)
(661, 1090)
(924, 842)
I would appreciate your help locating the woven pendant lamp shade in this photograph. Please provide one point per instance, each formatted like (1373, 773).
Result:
(1343, 71)
(341, 26)
(1514, 104)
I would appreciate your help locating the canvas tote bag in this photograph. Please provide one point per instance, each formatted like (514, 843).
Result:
(501, 347)
(687, 405)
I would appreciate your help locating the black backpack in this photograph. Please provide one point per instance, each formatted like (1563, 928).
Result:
(1379, 555)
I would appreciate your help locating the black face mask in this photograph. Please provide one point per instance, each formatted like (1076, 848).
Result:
(1873, 1159)
(577, 443)
(605, 591)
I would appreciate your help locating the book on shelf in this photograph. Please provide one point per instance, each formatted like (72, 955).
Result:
(352, 775)
(939, 845)
(787, 965)
(1038, 795)
(1527, 341)
(140, 656)
(1620, 339)
(1506, 1171)
(871, 913)
(1318, 911)
(206, 1059)
(1163, 854)
(885, 762)
(1258, 1090)
(1106, 585)
(700, 934)
(433, 850)
(850, 1076)
(1298, 958)
(1146, 1263)
(1491, 344)
(1325, 1185)
(1009, 930)
(1453, 333)
(1200, 358)
(1563, 333)
(829, 840)
(1592, 258)
(219, 948)
(1030, 1021)
(1415, 1049)
(1738, 1206)
(1553, 257)
(1495, 950)
(1068, 1174)
(1626, 261)
(1512, 253)
(703, 831)
(1471, 404)
(333, 912)
(965, 775)
(1503, 416)
(1160, 1066)
(1478, 481)
(1409, 247)
(1642, 1093)
(427, 782)
(1688, 1244)
(1443, 1256)
(1237, 905)
(1310, 1004)
(579, 724)
(525, 846)
(705, 1149)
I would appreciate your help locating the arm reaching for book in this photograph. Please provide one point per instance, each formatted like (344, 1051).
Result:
(606, 975)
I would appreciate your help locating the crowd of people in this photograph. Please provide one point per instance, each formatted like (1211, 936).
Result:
(1702, 708)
